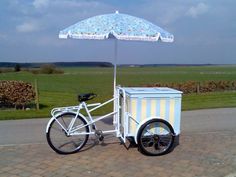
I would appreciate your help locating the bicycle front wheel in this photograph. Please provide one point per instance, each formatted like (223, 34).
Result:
(63, 143)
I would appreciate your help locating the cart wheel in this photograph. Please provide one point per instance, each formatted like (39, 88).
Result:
(155, 137)
(58, 139)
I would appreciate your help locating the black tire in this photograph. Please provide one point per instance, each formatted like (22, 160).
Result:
(62, 143)
(155, 137)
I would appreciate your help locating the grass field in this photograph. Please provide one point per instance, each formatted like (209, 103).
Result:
(62, 89)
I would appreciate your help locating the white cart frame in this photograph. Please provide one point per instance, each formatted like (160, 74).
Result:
(90, 120)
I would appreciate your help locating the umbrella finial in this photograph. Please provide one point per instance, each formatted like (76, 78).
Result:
(117, 11)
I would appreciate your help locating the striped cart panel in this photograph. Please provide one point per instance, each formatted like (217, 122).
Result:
(165, 103)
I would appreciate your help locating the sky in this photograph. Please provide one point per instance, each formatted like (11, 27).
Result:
(204, 31)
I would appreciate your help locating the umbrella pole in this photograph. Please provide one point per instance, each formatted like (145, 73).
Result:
(115, 104)
(115, 63)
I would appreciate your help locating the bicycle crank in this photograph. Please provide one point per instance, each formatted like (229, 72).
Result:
(99, 135)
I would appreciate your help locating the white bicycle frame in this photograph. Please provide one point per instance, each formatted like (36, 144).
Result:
(73, 129)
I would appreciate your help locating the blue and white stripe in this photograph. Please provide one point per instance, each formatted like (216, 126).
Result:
(165, 108)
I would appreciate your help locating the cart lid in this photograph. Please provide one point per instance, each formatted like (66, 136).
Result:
(150, 90)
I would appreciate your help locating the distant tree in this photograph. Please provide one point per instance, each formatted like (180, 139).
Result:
(50, 69)
(17, 68)
(47, 68)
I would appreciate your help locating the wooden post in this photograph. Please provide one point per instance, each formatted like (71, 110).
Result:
(198, 87)
(36, 94)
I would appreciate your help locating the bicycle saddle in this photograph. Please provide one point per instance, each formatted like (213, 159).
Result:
(86, 96)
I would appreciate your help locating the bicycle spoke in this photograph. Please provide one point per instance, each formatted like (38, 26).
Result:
(64, 123)
(57, 129)
(147, 141)
(75, 145)
(156, 146)
(63, 145)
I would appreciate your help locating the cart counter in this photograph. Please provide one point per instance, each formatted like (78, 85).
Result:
(159, 102)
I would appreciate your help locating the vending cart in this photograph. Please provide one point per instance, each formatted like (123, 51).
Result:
(142, 105)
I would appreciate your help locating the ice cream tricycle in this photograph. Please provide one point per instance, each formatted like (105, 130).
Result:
(149, 117)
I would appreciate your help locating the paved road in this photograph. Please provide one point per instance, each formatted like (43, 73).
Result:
(207, 149)
(32, 131)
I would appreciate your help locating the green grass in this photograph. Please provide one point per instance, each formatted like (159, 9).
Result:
(209, 100)
(62, 89)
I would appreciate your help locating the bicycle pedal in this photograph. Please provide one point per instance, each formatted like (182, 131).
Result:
(93, 127)
(101, 138)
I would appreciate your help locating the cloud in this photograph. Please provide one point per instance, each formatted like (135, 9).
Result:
(164, 12)
(169, 12)
(172, 15)
(40, 3)
(28, 27)
(3, 36)
(197, 10)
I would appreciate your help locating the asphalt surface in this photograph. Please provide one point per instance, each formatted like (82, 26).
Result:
(32, 131)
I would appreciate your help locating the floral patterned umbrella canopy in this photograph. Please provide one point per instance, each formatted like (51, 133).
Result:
(120, 26)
